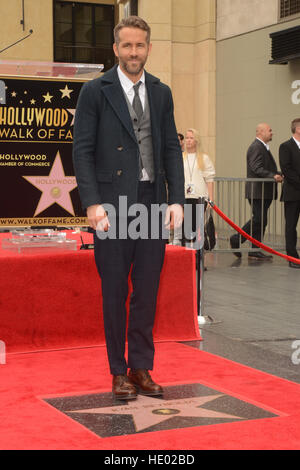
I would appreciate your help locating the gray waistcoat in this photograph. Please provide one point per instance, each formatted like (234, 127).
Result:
(143, 133)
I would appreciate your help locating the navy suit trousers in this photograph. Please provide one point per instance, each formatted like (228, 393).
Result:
(115, 259)
(291, 212)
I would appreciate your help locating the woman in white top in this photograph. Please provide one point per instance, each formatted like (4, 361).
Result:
(199, 175)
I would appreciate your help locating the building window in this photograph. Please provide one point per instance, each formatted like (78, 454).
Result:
(83, 33)
(289, 8)
(130, 8)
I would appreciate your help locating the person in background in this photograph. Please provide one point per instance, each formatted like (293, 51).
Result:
(199, 175)
(181, 141)
(260, 164)
(289, 159)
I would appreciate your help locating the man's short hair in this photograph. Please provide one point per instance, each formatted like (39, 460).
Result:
(295, 123)
(132, 22)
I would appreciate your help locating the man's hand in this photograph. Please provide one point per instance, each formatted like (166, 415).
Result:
(97, 218)
(278, 178)
(174, 216)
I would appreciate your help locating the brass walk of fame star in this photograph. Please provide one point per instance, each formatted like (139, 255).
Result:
(55, 187)
(148, 411)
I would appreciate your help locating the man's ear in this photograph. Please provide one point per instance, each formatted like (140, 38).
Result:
(115, 48)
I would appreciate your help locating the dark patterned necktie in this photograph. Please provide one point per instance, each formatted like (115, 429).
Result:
(137, 104)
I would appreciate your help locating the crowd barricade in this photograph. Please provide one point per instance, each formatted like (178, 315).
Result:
(229, 196)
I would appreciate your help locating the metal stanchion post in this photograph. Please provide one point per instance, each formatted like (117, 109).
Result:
(200, 259)
(202, 318)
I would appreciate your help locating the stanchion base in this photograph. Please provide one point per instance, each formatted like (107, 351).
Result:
(206, 319)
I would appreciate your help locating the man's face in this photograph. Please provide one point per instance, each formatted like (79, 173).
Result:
(132, 51)
(267, 134)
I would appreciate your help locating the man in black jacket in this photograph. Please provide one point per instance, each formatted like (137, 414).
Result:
(126, 148)
(260, 164)
(289, 158)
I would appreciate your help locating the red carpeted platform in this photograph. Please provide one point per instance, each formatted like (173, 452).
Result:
(28, 422)
(53, 300)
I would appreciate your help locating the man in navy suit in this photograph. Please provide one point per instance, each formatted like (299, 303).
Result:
(289, 159)
(126, 146)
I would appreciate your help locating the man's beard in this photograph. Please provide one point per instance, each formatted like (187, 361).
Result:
(132, 70)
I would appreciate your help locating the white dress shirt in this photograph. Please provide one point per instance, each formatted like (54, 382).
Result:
(127, 86)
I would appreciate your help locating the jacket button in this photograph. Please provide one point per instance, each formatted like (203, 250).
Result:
(119, 172)
(120, 149)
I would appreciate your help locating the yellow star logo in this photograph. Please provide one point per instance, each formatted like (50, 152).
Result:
(65, 92)
(47, 97)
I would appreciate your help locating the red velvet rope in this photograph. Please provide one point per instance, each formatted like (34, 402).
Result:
(255, 242)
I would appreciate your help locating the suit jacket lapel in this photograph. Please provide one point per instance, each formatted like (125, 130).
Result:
(295, 146)
(154, 104)
(272, 158)
(113, 91)
(268, 153)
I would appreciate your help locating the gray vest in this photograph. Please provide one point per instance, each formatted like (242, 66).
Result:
(143, 133)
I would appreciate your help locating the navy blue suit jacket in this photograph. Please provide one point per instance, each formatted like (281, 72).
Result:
(105, 149)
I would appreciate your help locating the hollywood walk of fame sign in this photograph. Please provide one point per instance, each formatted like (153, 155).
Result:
(37, 182)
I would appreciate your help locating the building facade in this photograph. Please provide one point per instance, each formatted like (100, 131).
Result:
(249, 88)
(183, 37)
(214, 54)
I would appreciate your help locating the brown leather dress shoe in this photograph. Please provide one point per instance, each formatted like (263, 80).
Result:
(122, 388)
(143, 383)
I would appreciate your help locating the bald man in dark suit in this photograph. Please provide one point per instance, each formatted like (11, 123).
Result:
(260, 164)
